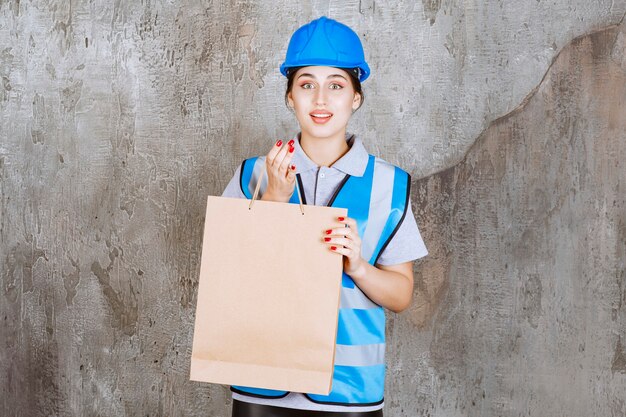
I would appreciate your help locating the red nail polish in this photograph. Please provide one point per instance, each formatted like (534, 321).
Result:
(290, 142)
(291, 149)
(329, 231)
(279, 143)
(341, 219)
(293, 167)
(333, 248)
(326, 239)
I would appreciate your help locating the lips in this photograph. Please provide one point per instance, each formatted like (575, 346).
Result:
(320, 116)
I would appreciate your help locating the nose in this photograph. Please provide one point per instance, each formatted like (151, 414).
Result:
(320, 97)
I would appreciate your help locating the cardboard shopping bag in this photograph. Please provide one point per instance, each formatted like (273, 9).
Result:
(268, 296)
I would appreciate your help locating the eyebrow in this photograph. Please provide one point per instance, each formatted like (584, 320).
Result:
(306, 74)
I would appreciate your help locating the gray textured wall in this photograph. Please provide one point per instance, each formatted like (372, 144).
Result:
(118, 118)
(528, 265)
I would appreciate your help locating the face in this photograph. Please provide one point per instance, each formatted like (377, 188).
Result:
(323, 100)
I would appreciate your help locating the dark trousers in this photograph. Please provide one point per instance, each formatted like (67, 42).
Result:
(244, 409)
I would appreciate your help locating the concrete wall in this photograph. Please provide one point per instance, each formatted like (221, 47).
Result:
(118, 118)
(521, 307)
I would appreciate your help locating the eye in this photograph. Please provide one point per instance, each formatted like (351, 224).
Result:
(307, 86)
(335, 86)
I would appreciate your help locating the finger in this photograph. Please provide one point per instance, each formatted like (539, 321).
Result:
(271, 155)
(339, 241)
(283, 159)
(339, 231)
(291, 173)
(349, 221)
(340, 250)
(279, 157)
(350, 242)
(285, 165)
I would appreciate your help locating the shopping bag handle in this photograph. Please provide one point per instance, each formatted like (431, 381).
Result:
(258, 187)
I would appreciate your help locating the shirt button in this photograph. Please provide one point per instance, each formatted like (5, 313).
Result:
(322, 175)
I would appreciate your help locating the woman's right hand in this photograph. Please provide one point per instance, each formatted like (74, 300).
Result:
(281, 175)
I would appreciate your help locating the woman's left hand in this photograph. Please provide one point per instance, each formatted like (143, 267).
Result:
(346, 241)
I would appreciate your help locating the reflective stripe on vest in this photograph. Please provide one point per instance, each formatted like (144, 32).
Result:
(379, 208)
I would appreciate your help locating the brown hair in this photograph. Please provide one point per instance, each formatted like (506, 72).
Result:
(356, 84)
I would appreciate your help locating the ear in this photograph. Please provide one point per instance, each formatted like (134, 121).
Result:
(356, 102)
(290, 100)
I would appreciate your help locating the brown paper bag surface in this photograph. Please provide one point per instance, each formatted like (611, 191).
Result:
(268, 296)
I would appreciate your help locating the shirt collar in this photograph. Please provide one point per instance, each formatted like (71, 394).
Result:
(352, 163)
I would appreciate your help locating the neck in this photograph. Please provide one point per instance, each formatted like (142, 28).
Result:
(324, 151)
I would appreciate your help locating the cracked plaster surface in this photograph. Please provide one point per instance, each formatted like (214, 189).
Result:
(519, 308)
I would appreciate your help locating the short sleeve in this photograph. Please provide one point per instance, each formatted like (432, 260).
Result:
(233, 189)
(406, 245)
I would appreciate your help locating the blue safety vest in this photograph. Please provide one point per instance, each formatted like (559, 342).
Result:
(378, 201)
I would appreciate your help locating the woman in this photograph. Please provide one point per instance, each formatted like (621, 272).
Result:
(325, 66)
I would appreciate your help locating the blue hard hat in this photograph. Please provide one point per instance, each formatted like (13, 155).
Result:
(326, 42)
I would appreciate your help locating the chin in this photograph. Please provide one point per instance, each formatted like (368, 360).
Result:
(322, 132)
